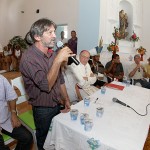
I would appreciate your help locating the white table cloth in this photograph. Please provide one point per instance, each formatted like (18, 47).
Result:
(120, 128)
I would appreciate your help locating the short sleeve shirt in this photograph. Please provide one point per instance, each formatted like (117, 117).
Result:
(7, 93)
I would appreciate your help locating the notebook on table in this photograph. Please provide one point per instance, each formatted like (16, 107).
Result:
(115, 86)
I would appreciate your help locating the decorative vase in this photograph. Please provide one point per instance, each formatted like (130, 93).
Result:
(141, 57)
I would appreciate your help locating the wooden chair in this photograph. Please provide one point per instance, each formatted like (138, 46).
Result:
(27, 116)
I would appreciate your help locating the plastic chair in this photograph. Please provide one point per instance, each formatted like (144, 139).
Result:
(7, 139)
(26, 117)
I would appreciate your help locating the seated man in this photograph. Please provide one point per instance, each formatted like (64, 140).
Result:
(9, 122)
(147, 69)
(137, 73)
(114, 69)
(96, 67)
(83, 74)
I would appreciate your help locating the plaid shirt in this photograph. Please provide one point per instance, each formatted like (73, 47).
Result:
(34, 67)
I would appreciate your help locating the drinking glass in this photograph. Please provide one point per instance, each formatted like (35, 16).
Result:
(88, 125)
(103, 90)
(74, 114)
(99, 111)
(125, 79)
(128, 83)
(83, 117)
(86, 101)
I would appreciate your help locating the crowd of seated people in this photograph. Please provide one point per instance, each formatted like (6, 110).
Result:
(6, 57)
(80, 80)
(85, 74)
(10, 58)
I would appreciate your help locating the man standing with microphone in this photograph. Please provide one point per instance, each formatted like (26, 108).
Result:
(43, 79)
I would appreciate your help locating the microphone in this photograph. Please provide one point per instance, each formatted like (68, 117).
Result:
(120, 102)
(71, 59)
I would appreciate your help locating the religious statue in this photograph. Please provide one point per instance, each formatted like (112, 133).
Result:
(123, 18)
(101, 42)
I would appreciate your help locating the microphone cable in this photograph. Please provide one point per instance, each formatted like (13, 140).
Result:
(139, 113)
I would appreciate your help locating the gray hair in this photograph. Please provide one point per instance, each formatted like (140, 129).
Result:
(38, 28)
(137, 55)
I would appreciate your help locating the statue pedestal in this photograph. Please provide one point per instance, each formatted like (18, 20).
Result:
(126, 47)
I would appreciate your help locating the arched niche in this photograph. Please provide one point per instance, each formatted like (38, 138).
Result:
(128, 9)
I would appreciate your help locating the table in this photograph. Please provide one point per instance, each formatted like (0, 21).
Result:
(120, 128)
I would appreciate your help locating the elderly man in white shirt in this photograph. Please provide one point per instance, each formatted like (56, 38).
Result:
(9, 122)
(83, 74)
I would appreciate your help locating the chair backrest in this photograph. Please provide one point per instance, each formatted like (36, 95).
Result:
(19, 84)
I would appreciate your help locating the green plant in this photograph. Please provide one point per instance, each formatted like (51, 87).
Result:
(116, 34)
(18, 40)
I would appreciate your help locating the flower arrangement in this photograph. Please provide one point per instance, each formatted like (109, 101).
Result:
(134, 37)
(94, 144)
(113, 47)
(141, 50)
(116, 34)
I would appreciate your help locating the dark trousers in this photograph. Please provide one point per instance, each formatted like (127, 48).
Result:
(99, 83)
(143, 82)
(2, 145)
(42, 118)
(22, 135)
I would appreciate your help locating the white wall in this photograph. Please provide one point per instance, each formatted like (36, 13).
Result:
(146, 26)
(13, 22)
(88, 25)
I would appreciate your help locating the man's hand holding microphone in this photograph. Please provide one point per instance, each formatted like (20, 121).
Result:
(64, 54)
